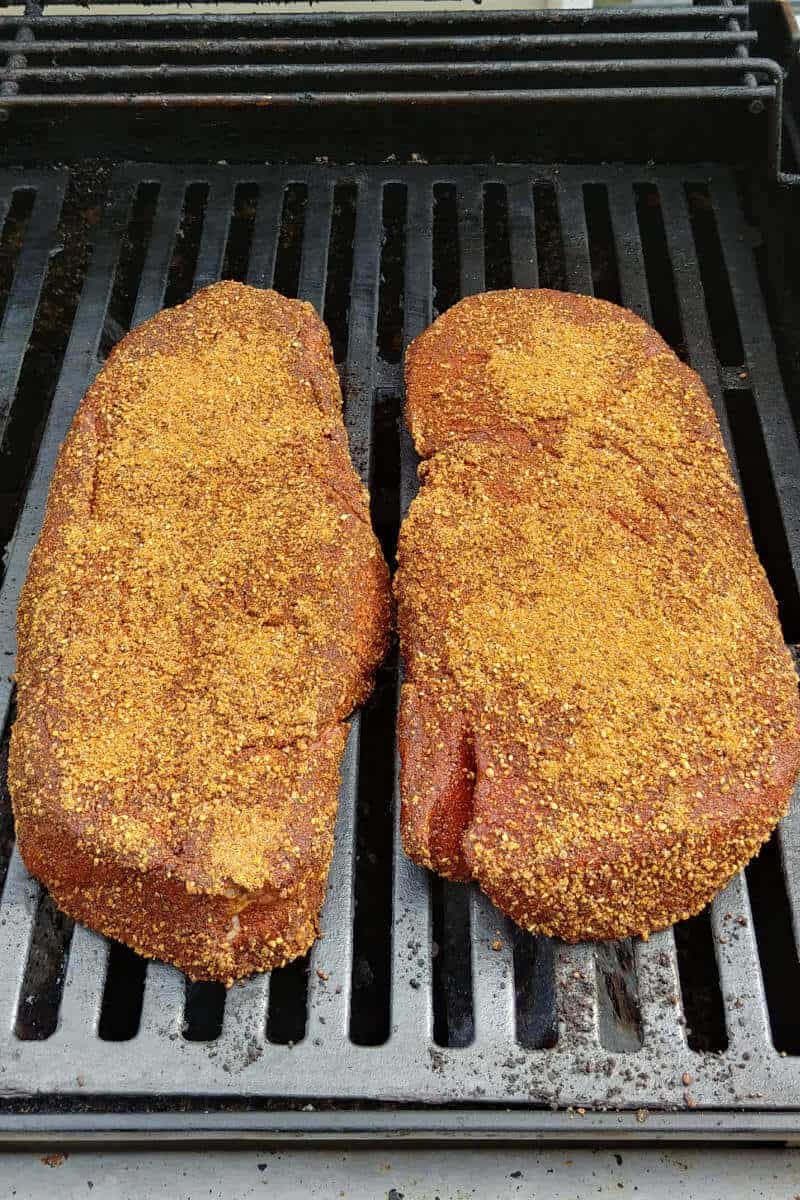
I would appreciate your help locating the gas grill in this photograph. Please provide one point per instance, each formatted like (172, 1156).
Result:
(421, 1011)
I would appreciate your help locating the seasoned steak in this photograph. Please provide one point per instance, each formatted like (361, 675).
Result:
(204, 609)
(600, 720)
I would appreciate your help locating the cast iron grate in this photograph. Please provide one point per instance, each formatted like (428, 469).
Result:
(149, 58)
(419, 991)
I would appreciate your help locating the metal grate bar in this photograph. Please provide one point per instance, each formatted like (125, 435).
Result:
(316, 238)
(26, 289)
(674, 41)
(162, 1006)
(330, 980)
(492, 948)
(490, 936)
(436, 97)
(419, 260)
(663, 1022)
(691, 300)
(363, 326)
(275, 73)
(153, 284)
(628, 245)
(266, 232)
(656, 960)
(711, 15)
(412, 974)
(576, 968)
(522, 234)
(79, 1013)
(576, 997)
(245, 1018)
(470, 238)
(214, 237)
(412, 937)
(330, 975)
(574, 236)
(789, 844)
(740, 979)
(17, 917)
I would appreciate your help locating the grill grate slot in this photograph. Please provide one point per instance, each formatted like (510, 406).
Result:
(534, 983)
(406, 997)
(722, 316)
(549, 237)
(15, 218)
(203, 1011)
(454, 269)
(533, 966)
(777, 950)
(658, 267)
(453, 1021)
(763, 507)
(370, 1011)
(180, 275)
(290, 246)
(605, 274)
(445, 248)
(702, 999)
(370, 1007)
(337, 292)
(129, 269)
(491, 943)
(390, 311)
(497, 238)
(43, 981)
(121, 1009)
(6, 816)
(412, 927)
(240, 236)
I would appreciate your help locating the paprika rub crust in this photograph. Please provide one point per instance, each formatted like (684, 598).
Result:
(599, 721)
(205, 607)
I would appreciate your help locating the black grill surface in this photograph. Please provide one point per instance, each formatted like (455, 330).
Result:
(419, 993)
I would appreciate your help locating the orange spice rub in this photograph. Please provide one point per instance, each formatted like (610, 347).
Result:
(600, 720)
(205, 607)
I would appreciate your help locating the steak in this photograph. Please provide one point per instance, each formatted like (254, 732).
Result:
(204, 609)
(599, 721)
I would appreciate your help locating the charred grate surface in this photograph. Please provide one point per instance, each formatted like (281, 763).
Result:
(419, 992)
(47, 58)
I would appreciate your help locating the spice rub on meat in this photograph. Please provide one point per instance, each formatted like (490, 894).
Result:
(600, 720)
(205, 607)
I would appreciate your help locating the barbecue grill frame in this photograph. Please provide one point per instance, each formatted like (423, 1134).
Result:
(80, 1003)
(28, 1119)
(357, 115)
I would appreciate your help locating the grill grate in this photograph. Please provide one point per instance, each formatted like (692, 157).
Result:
(234, 69)
(332, 59)
(405, 998)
